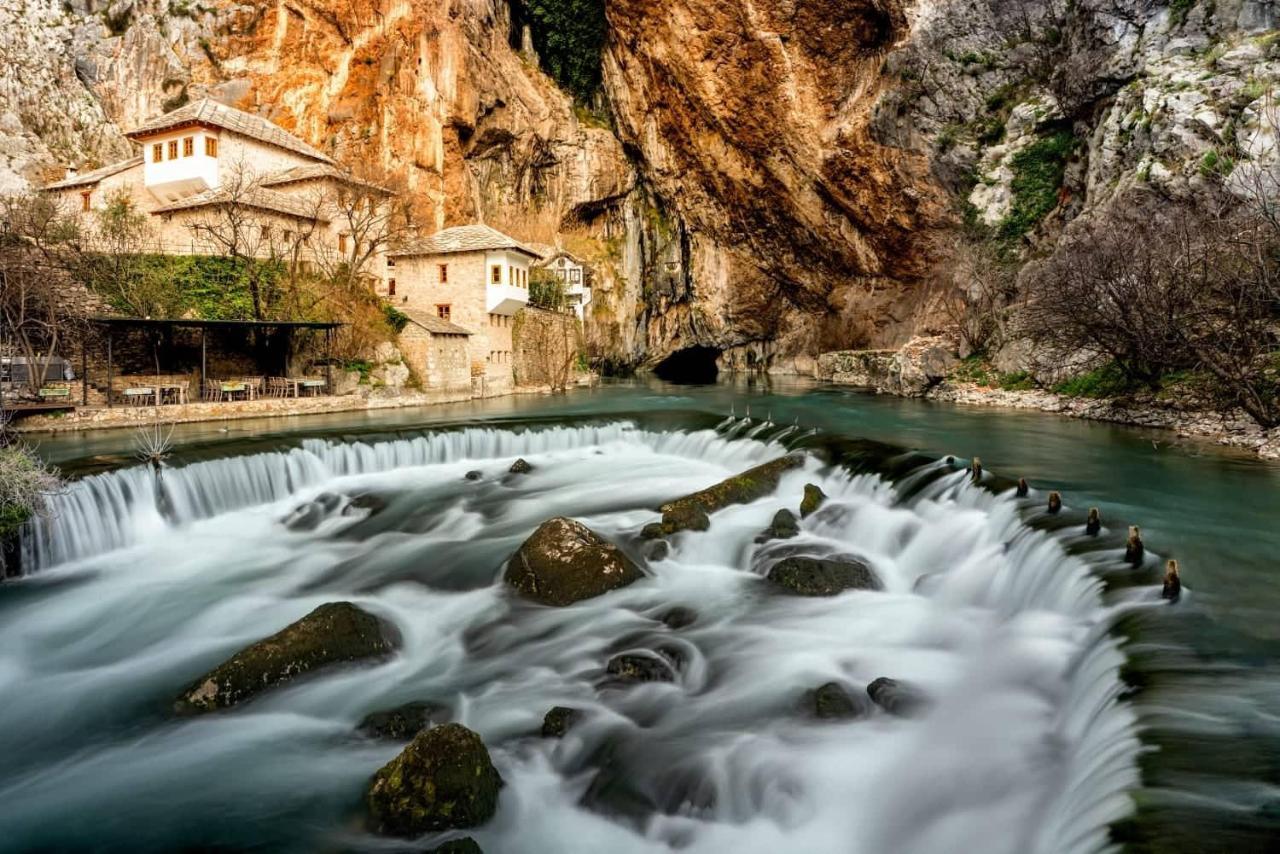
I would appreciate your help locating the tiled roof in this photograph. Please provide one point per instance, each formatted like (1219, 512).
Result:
(555, 253)
(271, 200)
(464, 238)
(210, 112)
(96, 175)
(314, 171)
(433, 324)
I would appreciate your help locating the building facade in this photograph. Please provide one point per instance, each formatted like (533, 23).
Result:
(206, 156)
(570, 271)
(474, 277)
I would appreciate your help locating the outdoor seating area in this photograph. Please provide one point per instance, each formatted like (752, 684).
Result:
(252, 388)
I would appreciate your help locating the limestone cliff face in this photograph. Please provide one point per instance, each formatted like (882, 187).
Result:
(797, 230)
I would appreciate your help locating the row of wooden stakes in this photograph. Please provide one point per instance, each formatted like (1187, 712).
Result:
(1134, 551)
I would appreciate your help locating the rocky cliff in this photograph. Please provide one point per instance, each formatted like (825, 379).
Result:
(764, 180)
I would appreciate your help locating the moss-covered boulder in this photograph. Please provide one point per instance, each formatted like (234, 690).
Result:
(558, 721)
(564, 562)
(335, 633)
(690, 513)
(632, 667)
(784, 526)
(896, 698)
(811, 576)
(832, 702)
(442, 780)
(403, 722)
(814, 498)
(520, 466)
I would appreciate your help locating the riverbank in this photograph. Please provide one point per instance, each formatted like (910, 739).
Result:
(1232, 430)
(128, 416)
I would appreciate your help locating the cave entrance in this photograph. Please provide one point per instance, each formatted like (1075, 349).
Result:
(692, 365)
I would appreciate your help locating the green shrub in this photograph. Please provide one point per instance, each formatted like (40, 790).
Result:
(1106, 381)
(1016, 381)
(396, 319)
(1038, 171)
(1178, 11)
(569, 36)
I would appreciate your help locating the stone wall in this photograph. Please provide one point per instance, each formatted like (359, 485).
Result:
(442, 361)
(545, 343)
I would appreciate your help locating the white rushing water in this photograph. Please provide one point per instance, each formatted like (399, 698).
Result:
(1025, 747)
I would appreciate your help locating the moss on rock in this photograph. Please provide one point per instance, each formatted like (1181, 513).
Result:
(402, 722)
(813, 499)
(784, 526)
(564, 562)
(558, 721)
(832, 702)
(810, 576)
(442, 780)
(690, 513)
(334, 633)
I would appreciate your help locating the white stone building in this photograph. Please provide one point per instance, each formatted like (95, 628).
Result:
(573, 273)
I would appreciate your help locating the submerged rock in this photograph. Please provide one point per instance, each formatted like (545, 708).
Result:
(690, 513)
(832, 702)
(402, 722)
(473, 475)
(635, 667)
(335, 633)
(896, 698)
(679, 617)
(652, 531)
(443, 779)
(658, 550)
(811, 576)
(558, 721)
(368, 501)
(564, 562)
(784, 527)
(520, 466)
(814, 498)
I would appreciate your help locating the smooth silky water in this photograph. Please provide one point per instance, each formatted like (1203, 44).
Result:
(1072, 710)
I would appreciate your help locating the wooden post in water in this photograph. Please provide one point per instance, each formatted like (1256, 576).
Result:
(977, 470)
(1134, 551)
(1055, 502)
(1094, 524)
(1172, 589)
(1023, 488)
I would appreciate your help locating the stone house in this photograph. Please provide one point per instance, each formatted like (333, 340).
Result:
(474, 277)
(573, 273)
(438, 350)
(205, 156)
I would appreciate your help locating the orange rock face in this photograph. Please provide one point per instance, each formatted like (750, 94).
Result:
(753, 120)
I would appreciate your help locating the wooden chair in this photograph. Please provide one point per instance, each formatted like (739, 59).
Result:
(212, 390)
(277, 387)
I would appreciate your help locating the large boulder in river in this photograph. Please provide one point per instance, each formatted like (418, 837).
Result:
(564, 562)
(690, 513)
(442, 780)
(811, 576)
(335, 633)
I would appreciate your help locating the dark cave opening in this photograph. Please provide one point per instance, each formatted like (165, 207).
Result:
(692, 365)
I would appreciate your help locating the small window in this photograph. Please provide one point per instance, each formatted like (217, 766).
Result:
(495, 275)
(575, 275)
(210, 146)
(511, 275)
(173, 149)
(444, 273)
(391, 262)
(288, 234)
(188, 146)
(86, 201)
(266, 232)
(443, 312)
(157, 153)
(342, 243)
(391, 287)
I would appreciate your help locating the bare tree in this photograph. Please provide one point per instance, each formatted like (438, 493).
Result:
(372, 216)
(978, 288)
(550, 344)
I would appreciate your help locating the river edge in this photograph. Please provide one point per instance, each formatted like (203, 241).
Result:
(1234, 430)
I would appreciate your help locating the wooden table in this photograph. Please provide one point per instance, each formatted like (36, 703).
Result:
(179, 389)
(297, 384)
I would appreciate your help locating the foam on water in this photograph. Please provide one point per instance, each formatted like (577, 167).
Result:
(1025, 747)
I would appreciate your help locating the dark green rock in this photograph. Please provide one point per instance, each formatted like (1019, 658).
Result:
(442, 780)
(564, 562)
(652, 531)
(473, 475)
(332, 634)
(811, 576)
(640, 668)
(896, 698)
(465, 845)
(690, 513)
(832, 702)
(679, 617)
(403, 722)
(783, 527)
(558, 721)
(520, 466)
(813, 499)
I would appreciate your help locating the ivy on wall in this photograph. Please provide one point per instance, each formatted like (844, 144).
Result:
(569, 36)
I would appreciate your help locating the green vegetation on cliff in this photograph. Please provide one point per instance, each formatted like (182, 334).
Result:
(568, 36)
(1038, 171)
